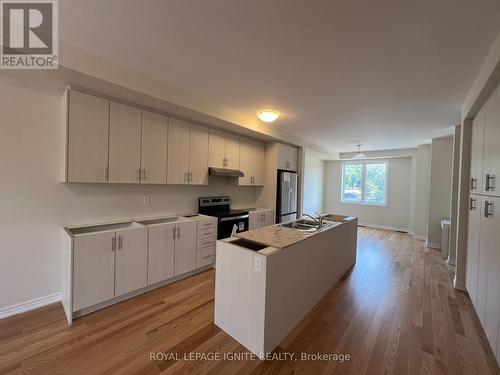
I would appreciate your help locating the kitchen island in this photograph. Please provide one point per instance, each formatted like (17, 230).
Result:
(268, 279)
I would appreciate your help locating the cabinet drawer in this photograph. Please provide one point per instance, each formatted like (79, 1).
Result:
(205, 256)
(205, 224)
(205, 261)
(205, 242)
(207, 233)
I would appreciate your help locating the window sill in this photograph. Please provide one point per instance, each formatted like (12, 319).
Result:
(380, 205)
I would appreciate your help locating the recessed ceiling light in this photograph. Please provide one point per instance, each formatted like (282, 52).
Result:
(268, 115)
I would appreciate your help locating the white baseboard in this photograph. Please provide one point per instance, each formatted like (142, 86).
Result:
(29, 305)
(433, 245)
(388, 227)
(419, 237)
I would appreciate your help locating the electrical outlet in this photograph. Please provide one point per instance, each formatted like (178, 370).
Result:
(258, 264)
(147, 199)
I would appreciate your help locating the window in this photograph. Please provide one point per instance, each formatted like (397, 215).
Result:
(365, 182)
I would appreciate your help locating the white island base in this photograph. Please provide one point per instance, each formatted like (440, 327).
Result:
(261, 294)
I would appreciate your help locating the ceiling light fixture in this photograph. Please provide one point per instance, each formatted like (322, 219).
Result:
(268, 115)
(359, 155)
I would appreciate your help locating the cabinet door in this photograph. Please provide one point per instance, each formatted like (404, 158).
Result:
(471, 275)
(268, 217)
(178, 152)
(131, 260)
(124, 143)
(185, 247)
(161, 252)
(254, 220)
(477, 147)
(490, 243)
(259, 152)
(491, 163)
(198, 155)
(246, 162)
(93, 269)
(216, 149)
(232, 151)
(88, 126)
(287, 157)
(154, 148)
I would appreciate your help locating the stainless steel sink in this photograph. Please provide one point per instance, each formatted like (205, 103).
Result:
(300, 226)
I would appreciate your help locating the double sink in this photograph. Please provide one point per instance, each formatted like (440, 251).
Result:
(309, 225)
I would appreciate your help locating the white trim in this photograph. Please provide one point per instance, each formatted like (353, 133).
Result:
(433, 245)
(379, 226)
(420, 237)
(459, 286)
(29, 305)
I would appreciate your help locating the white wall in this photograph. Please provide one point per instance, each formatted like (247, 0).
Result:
(396, 215)
(314, 183)
(422, 191)
(35, 205)
(440, 187)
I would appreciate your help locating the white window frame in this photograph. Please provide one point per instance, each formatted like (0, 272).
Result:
(364, 163)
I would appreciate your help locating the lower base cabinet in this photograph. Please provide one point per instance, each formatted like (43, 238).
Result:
(260, 218)
(185, 247)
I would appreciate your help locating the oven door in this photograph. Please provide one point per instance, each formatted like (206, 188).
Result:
(226, 225)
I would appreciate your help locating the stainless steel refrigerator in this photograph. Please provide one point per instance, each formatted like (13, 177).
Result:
(286, 202)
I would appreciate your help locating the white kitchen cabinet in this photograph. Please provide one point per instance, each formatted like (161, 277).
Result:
(185, 247)
(161, 245)
(206, 240)
(131, 271)
(474, 228)
(287, 157)
(252, 155)
(87, 138)
(491, 155)
(154, 148)
(260, 218)
(124, 143)
(223, 150)
(477, 147)
(178, 152)
(198, 155)
(93, 269)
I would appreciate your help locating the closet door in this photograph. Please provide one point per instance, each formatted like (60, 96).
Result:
(491, 163)
(178, 152)
(154, 148)
(232, 151)
(124, 143)
(88, 126)
(246, 162)
(198, 155)
(477, 147)
(490, 243)
(474, 232)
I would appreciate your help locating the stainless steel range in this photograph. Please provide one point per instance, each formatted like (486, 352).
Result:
(220, 207)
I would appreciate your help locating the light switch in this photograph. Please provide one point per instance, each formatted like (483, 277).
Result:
(258, 264)
(146, 199)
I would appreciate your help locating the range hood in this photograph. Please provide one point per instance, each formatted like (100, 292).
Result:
(225, 172)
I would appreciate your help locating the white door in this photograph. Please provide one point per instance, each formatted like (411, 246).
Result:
(178, 152)
(154, 148)
(216, 149)
(93, 269)
(161, 252)
(268, 217)
(491, 163)
(185, 247)
(124, 143)
(131, 260)
(198, 155)
(232, 151)
(259, 151)
(471, 276)
(477, 147)
(246, 162)
(490, 242)
(88, 127)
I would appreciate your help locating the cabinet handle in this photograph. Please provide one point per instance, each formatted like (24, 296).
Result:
(487, 206)
(173, 232)
(144, 175)
(120, 242)
(178, 232)
(489, 187)
(106, 173)
(206, 257)
(139, 173)
(113, 243)
(190, 176)
(207, 243)
(473, 182)
(472, 204)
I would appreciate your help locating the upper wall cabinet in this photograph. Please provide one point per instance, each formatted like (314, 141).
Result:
(287, 157)
(124, 143)
(87, 138)
(252, 154)
(154, 148)
(485, 153)
(223, 150)
(187, 153)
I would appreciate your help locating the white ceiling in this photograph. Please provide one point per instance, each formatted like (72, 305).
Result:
(386, 73)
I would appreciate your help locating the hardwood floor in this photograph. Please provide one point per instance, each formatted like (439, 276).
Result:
(395, 312)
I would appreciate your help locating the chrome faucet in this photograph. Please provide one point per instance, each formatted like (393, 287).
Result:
(318, 221)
